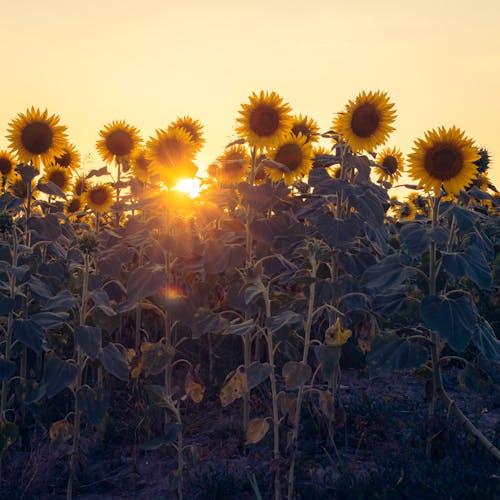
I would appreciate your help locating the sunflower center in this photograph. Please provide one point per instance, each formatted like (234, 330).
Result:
(405, 210)
(443, 161)
(99, 196)
(290, 155)
(80, 187)
(119, 143)
(390, 163)
(64, 160)
(74, 205)
(301, 128)
(59, 179)
(37, 137)
(5, 166)
(365, 120)
(264, 120)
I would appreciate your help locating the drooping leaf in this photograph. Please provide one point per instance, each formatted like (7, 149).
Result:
(50, 320)
(47, 227)
(144, 281)
(474, 379)
(39, 288)
(57, 375)
(388, 273)
(470, 263)
(453, 319)
(257, 373)
(288, 319)
(416, 237)
(114, 362)
(89, 339)
(29, 333)
(338, 233)
(296, 374)
(234, 387)
(63, 301)
(156, 356)
(219, 257)
(60, 432)
(329, 357)
(51, 189)
(97, 172)
(194, 386)
(485, 340)
(92, 404)
(240, 329)
(287, 403)
(257, 429)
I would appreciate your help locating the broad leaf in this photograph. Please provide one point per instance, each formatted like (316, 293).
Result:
(114, 362)
(296, 374)
(257, 373)
(89, 339)
(485, 340)
(57, 375)
(396, 354)
(29, 333)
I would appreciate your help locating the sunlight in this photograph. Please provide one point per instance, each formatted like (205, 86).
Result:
(189, 186)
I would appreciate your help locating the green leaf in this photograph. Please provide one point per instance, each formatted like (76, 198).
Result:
(114, 362)
(416, 237)
(329, 357)
(296, 374)
(219, 257)
(470, 263)
(257, 373)
(394, 353)
(244, 328)
(156, 356)
(50, 320)
(386, 274)
(47, 227)
(57, 375)
(485, 340)
(453, 319)
(92, 404)
(144, 281)
(284, 319)
(7, 369)
(337, 232)
(7, 305)
(89, 339)
(29, 333)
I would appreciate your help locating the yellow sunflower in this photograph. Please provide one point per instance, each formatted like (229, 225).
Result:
(7, 165)
(234, 164)
(194, 128)
(140, 165)
(264, 120)
(118, 140)
(305, 126)
(69, 159)
(73, 205)
(60, 176)
(17, 187)
(366, 121)
(295, 153)
(406, 210)
(171, 155)
(320, 151)
(80, 185)
(36, 136)
(99, 198)
(391, 165)
(444, 158)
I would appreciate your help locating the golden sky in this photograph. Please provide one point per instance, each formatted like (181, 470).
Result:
(150, 61)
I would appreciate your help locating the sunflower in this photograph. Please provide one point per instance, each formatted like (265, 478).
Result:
(171, 155)
(140, 166)
(234, 164)
(194, 128)
(483, 163)
(405, 210)
(305, 126)
(60, 176)
(17, 187)
(295, 153)
(80, 185)
(69, 159)
(118, 140)
(73, 205)
(99, 198)
(317, 153)
(390, 162)
(7, 165)
(264, 120)
(36, 136)
(366, 121)
(445, 157)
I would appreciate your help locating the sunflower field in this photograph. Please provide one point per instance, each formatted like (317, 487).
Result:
(292, 331)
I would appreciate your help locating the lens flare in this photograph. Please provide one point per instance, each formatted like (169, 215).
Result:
(189, 186)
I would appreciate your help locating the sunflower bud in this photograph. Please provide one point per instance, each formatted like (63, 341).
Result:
(88, 243)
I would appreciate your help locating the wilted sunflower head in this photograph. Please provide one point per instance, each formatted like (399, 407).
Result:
(444, 158)
(99, 198)
(194, 128)
(69, 159)
(7, 165)
(118, 141)
(140, 165)
(264, 120)
(60, 176)
(171, 155)
(36, 136)
(295, 154)
(367, 121)
(233, 164)
(305, 126)
(390, 161)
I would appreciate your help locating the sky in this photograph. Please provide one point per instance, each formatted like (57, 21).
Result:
(149, 62)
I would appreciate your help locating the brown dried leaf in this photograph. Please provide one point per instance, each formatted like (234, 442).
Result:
(257, 429)
(194, 386)
(234, 387)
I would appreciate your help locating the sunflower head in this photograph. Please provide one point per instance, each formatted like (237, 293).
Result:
(406, 210)
(233, 164)
(367, 121)
(171, 155)
(444, 158)
(390, 161)
(140, 165)
(264, 120)
(99, 198)
(36, 136)
(118, 141)
(17, 187)
(7, 165)
(305, 126)
(80, 185)
(73, 205)
(194, 128)
(295, 154)
(484, 160)
(60, 176)
(69, 159)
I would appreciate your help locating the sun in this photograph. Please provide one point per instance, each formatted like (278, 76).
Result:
(189, 186)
